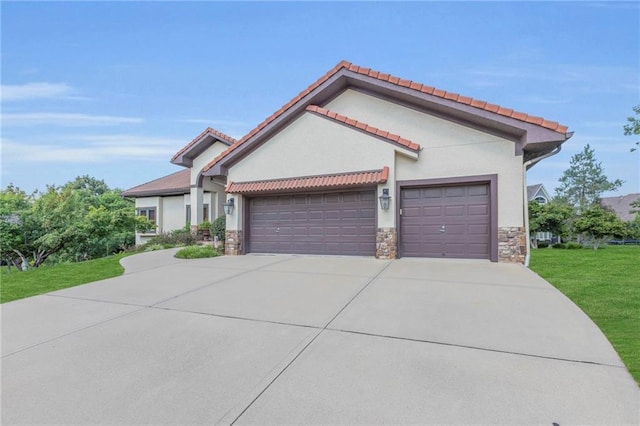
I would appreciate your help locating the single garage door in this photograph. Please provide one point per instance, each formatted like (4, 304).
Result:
(323, 223)
(446, 221)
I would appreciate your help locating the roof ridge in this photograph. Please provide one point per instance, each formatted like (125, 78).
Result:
(200, 136)
(360, 125)
(419, 87)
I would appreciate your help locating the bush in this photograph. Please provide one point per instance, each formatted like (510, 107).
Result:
(559, 246)
(179, 237)
(153, 247)
(197, 252)
(542, 244)
(220, 227)
(573, 246)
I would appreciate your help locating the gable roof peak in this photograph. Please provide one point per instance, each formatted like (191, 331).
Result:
(401, 84)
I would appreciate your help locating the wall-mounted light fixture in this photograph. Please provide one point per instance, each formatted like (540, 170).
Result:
(384, 199)
(228, 207)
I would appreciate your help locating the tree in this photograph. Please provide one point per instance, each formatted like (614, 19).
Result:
(550, 217)
(633, 127)
(599, 225)
(83, 219)
(584, 181)
(13, 204)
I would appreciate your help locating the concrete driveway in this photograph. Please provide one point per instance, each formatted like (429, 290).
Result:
(310, 340)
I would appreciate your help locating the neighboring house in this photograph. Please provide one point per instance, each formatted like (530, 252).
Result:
(365, 163)
(621, 205)
(539, 194)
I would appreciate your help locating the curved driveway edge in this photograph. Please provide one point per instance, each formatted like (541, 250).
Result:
(310, 340)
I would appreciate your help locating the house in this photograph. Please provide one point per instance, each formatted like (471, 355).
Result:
(365, 163)
(621, 205)
(167, 201)
(539, 194)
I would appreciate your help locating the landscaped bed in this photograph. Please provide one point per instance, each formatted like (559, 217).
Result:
(605, 284)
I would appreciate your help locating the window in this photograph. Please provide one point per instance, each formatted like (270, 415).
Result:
(150, 214)
(541, 200)
(205, 212)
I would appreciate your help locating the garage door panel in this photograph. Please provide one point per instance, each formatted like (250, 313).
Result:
(479, 209)
(475, 190)
(463, 210)
(331, 223)
(457, 210)
(455, 191)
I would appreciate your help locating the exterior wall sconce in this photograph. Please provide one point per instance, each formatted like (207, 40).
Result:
(384, 199)
(228, 207)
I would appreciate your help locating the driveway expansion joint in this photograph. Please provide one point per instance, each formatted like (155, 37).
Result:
(73, 331)
(320, 331)
(478, 348)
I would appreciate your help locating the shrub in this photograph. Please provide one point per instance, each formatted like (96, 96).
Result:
(153, 247)
(197, 252)
(220, 227)
(559, 246)
(573, 246)
(542, 244)
(179, 237)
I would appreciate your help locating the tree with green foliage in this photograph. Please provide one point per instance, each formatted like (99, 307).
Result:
(598, 225)
(584, 181)
(80, 220)
(14, 203)
(549, 217)
(632, 128)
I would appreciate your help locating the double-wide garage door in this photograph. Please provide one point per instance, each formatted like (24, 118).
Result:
(324, 223)
(446, 221)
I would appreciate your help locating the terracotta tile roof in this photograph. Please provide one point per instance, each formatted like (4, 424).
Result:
(483, 105)
(310, 182)
(175, 183)
(207, 131)
(391, 137)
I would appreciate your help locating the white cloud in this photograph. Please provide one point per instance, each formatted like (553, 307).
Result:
(65, 119)
(90, 149)
(38, 90)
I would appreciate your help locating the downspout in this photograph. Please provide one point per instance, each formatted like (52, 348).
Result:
(526, 166)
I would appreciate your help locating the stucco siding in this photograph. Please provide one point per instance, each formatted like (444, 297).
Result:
(313, 145)
(173, 213)
(448, 149)
(201, 160)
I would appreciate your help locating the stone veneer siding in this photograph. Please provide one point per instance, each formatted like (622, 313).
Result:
(512, 245)
(386, 243)
(233, 243)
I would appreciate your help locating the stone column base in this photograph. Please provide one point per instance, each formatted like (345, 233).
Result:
(512, 245)
(232, 243)
(386, 243)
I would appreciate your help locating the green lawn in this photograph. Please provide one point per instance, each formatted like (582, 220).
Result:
(605, 284)
(18, 285)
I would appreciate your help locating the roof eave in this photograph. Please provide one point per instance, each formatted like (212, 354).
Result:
(186, 157)
(155, 193)
(524, 134)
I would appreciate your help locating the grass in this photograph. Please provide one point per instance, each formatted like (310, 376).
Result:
(605, 284)
(18, 285)
(197, 252)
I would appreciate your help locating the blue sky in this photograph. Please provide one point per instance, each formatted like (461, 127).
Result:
(114, 89)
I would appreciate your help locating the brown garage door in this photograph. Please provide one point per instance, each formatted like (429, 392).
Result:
(446, 221)
(327, 223)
